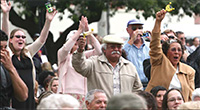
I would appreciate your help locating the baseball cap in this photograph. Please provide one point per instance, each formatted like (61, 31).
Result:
(113, 39)
(134, 21)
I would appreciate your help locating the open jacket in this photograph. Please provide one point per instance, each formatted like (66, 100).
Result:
(69, 80)
(100, 75)
(162, 70)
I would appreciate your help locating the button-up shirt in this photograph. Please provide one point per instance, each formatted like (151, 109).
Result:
(137, 56)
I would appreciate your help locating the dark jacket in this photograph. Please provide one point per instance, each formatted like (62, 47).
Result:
(194, 61)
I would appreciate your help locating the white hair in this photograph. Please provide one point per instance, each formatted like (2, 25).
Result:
(195, 93)
(104, 46)
(58, 101)
(90, 95)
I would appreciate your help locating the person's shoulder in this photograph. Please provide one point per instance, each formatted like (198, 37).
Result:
(186, 68)
(126, 62)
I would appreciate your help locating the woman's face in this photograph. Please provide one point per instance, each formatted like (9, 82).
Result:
(54, 86)
(159, 97)
(18, 41)
(174, 99)
(174, 53)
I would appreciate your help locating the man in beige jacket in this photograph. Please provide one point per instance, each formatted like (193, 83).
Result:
(109, 71)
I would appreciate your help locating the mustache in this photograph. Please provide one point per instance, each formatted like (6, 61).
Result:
(113, 52)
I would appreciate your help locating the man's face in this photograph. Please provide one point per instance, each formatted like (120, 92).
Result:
(99, 102)
(196, 41)
(135, 32)
(3, 44)
(133, 27)
(113, 52)
(181, 37)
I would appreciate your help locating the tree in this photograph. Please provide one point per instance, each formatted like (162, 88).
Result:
(90, 8)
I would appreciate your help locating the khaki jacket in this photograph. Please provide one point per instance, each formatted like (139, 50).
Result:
(162, 70)
(100, 76)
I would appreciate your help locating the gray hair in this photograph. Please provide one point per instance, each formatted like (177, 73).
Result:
(58, 101)
(90, 95)
(104, 46)
(126, 101)
(195, 93)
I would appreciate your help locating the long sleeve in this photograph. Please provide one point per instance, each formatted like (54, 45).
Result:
(155, 52)
(97, 47)
(81, 64)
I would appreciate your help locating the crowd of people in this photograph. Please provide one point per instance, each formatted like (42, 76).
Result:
(158, 72)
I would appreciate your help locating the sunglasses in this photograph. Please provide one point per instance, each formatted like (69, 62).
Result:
(18, 36)
(171, 37)
(135, 28)
(183, 38)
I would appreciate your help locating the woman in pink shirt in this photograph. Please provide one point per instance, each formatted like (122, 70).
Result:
(71, 82)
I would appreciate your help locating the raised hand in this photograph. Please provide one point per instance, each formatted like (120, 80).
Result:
(135, 35)
(160, 15)
(5, 6)
(50, 16)
(86, 24)
(82, 24)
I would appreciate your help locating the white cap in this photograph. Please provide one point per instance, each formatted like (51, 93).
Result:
(113, 39)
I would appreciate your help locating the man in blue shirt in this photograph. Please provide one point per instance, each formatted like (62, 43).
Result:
(136, 48)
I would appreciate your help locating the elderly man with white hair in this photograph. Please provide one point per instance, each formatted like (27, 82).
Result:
(58, 101)
(109, 71)
(96, 99)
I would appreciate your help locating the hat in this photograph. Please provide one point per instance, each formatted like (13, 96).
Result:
(71, 33)
(113, 39)
(134, 21)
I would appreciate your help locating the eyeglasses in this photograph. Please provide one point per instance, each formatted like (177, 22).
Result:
(18, 36)
(175, 99)
(171, 37)
(135, 27)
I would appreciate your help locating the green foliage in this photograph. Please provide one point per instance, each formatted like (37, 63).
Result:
(92, 8)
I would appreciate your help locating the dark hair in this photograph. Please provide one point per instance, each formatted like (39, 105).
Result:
(165, 98)
(168, 31)
(194, 39)
(179, 32)
(166, 45)
(150, 99)
(43, 75)
(155, 90)
(3, 36)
